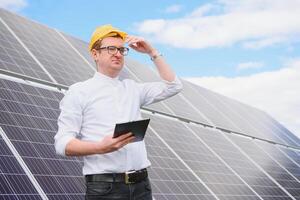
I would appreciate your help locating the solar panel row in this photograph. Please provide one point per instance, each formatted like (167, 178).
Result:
(189, 161)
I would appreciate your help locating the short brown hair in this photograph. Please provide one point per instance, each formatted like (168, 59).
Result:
(96, 45)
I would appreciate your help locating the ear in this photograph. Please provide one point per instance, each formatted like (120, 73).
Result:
(94, 54)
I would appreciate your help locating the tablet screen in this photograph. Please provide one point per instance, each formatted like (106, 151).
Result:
(138, 129)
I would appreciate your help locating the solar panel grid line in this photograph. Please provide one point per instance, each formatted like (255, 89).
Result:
(247, 128)
(279, 127)
(69, 43)
(216, 111)
(81, 46)
(23, 164)
(259, 167)
(266, 126)
(259, 119)
(65, 66)
(183, 162)
(10, 173)
(221, 159)
(278, 163)
(248, 122)
(281, 130)
(197, 110)
(27, 50)
(289, 157)
(41, 156)
(33, 80)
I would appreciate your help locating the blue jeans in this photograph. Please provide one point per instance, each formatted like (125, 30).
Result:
(118, 191)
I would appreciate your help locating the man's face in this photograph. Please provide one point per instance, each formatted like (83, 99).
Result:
(106, 60)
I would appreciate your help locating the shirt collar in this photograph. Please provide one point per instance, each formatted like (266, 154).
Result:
(103, 77)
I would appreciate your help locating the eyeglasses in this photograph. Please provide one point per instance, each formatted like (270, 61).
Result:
(113, 50)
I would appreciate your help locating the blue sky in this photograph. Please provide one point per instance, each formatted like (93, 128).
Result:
(246, 49)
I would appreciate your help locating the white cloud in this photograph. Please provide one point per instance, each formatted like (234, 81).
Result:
(249, 65)
(258, 44)
(203, 10)
(276, 92)
(13, 5)
(173, 9)
(226, 22)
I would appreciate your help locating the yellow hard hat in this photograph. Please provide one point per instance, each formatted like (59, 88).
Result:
(104, 31)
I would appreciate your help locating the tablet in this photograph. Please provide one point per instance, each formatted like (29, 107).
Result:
(138, 129)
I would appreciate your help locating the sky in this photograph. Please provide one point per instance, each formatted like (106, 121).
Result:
(246, 49)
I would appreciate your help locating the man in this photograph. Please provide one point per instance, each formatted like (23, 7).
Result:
(114, 168)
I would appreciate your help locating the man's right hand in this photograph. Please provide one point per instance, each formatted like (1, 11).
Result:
(109, 144)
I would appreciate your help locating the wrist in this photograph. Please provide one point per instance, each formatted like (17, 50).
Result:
(99, 148)
(153, 58)
(153, 52)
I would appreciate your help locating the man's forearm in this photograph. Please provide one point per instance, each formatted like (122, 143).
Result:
(78, 147)
(164, 69)
(108, 144)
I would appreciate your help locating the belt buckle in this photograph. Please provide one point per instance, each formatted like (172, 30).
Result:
(127, 177)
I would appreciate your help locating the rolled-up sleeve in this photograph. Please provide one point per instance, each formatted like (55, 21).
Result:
(69, 120)
(157, 91)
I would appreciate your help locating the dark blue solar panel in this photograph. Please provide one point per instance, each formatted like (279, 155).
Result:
(215, 174)
(14, 183)
(29, 118)
(252, 175)
(50, 49)
(277, 172)
(14, 58)
(170, 179)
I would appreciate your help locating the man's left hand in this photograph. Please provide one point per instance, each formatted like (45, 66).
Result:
(140, 45)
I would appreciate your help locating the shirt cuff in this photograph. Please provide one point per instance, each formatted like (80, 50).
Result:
(61, 143)
(176, 82)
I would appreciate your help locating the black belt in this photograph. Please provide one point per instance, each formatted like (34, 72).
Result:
(127, 177)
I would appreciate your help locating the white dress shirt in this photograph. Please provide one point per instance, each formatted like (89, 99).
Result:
(90, 110)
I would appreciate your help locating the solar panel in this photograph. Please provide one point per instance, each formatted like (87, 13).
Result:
(170, 179)
(81, 46)
(281, 159)
(241, 165)
(246, 118)
(275, 171)
(206, 105)
(13, 56)
(15, 183)
(260, 121)
(50, 49)
(278, 129)
(214, 173)
(292, 154)
(28, 117)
